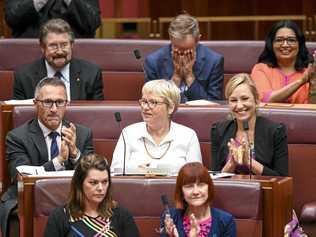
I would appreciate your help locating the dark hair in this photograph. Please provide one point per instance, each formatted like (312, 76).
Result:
(48, 81)
(303, 57)
(76, 197)
(190, 173)
(57, 26)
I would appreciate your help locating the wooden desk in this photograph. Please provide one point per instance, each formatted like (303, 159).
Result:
(277, 203)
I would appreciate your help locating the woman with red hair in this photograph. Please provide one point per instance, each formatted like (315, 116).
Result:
(194, 215)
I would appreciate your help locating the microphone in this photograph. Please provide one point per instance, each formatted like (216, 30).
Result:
(138, 56)
(165, 204)
(118, 119)
(245, 126)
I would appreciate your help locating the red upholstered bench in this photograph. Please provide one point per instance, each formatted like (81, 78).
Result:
(142, 198)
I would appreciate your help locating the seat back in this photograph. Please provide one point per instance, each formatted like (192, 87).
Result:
(142, 198)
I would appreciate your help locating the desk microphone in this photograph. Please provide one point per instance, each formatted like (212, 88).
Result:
(138, 56)
(245, 126)
(118, 119)
(165, 204)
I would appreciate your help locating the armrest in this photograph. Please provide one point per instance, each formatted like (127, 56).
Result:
(308, 214)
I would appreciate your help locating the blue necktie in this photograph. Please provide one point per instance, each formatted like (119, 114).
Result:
(54, 151)
(58, 75)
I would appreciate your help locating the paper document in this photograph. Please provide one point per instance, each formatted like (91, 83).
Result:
(19, 102)
(217, 175)
(39, 170)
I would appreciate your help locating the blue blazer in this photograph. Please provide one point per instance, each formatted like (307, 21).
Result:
(223, 223)
(208, 70)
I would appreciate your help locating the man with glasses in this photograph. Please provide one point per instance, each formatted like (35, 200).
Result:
(48, 140)
(196, 70)
(83, 79)
(26, 17)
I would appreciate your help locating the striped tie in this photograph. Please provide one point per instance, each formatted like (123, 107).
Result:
(54, 151)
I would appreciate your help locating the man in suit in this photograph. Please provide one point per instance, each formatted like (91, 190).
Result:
(26, 17)
(48, 140)
(196, 70)
(83, 79)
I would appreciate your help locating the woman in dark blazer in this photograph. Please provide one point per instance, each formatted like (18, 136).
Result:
(262, 148)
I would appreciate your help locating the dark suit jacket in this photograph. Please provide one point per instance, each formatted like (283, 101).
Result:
(270, 145)
(223, 223)
(85, 80)
(208, 70)
(82, 15)
(26, 145)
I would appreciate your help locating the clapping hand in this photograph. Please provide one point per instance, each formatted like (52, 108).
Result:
(170, 227)
(195, 227)
(239, 152)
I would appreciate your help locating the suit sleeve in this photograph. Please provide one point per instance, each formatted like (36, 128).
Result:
(230, 228)
(280, 150)
(150, 69)
(17, 154)
(215, 162)
(98, 87)
(127, 225)
(84, 16)
(213, 90)
(20, 13)
(88, 143)
(18, 91)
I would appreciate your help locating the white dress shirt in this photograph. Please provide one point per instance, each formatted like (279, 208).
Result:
(48, 141)
(65, 76)
(180, 146)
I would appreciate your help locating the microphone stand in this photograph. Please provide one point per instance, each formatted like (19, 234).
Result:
(246, 129)
(138, 56)
(118, 120)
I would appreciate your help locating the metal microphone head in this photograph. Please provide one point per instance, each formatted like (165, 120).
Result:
(137, 54)
(245, 125)
(118, 116)
(164, 200)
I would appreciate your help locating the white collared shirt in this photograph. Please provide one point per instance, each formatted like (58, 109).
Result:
(48, 141)
(65, 76)
(184, 148)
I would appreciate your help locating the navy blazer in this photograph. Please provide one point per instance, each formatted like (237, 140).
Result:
(223, 223)
(270, 145)
(85, 80)
(208, 70)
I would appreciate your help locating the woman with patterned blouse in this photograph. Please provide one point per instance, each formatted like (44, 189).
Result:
(91, 211)
(194, 215)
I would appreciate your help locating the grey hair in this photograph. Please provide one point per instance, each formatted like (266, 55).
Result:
(48, 81)
(183, 25)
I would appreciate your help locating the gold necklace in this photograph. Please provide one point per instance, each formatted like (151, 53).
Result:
(151, 156)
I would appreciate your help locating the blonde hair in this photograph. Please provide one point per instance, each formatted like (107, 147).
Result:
(240, 79)
(183, 25)
(166, 89)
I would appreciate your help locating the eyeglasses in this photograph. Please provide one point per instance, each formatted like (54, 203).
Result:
(150, 103)
(49, 103)
(55, 46)
(289, 40)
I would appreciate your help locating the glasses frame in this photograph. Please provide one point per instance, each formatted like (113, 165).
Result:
(56, 46)
(289, 40)
(49, 103)
(150, 103)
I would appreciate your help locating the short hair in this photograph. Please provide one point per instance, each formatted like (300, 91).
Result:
(240, 79)
(48, 81)
(191, 173)
(166, 89)
(57, 26)
(303, 57)
(183, 25)
(75, 203)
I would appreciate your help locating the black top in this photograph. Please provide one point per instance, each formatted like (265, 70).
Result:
(82, 15)
(121, 224)
(270, 143)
